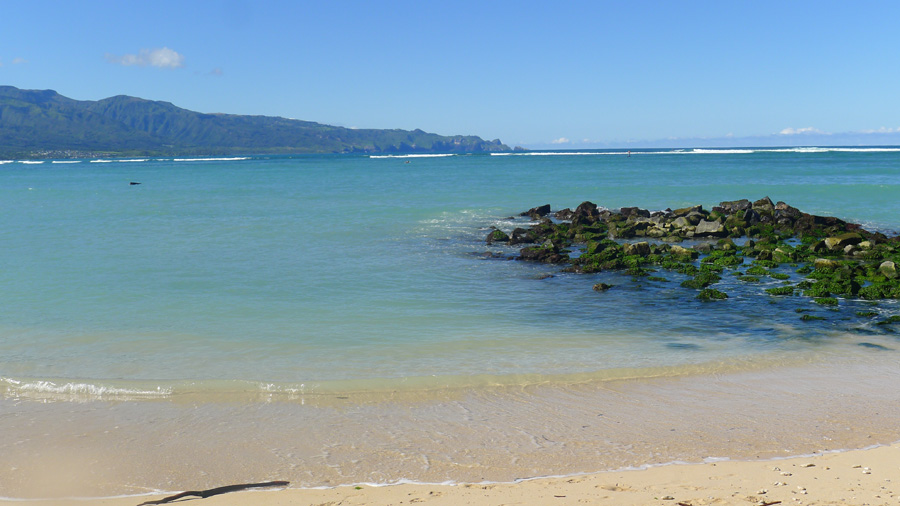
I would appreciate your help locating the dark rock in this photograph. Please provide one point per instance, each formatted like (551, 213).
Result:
(600, 287)
(543, 254)
(587, 210)
(564, 214)
(634, 211)
(733, 206)
(536, 213)
(521, 236)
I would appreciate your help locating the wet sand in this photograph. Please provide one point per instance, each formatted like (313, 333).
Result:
(107, 448)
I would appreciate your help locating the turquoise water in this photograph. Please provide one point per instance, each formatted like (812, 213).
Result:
(296, 273)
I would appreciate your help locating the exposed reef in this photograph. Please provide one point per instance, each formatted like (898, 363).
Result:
(761, 242)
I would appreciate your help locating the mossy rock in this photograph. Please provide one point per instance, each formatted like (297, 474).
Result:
(749, 279)
(809, 317)
(711, 294)
(779, 275)
(826, 301)
(657, 278)
(757, 270)
(497, 235)
(701, 280)
(781, 290)
(601, 287)
(866, 313)
(817, 290)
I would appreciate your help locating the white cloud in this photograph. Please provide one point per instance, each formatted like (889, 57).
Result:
(162, 58)
(19, 61)
(561, 140)
(798, 131)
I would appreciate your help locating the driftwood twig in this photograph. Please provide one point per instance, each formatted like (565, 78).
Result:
(203, 494)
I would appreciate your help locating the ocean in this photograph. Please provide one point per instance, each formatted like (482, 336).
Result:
(305, 280)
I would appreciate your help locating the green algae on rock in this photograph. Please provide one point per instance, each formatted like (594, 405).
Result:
(815, 257)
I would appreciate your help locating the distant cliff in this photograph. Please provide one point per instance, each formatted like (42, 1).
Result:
(33, 122)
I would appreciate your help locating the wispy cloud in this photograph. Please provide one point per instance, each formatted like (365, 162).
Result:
(19, 61)
(882, 130)
(162, 58)
(799, 131)
(561, 140)
(216, 72)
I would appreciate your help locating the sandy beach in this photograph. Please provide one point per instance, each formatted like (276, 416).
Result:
(853, 478)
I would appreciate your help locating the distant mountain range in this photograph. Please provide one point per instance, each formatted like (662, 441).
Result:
(43, 123)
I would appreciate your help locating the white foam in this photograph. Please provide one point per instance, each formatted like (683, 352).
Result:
(721, 151)
(18, 388)
(5, 161)
(429, 155)
(32, 162)
(135, 160)
(66, 161)
(101, 161)
(212, 159)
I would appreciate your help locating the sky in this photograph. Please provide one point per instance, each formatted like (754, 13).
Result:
(567, 75)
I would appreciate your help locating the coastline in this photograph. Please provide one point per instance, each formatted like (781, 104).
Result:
(113, 448)
(851, 478)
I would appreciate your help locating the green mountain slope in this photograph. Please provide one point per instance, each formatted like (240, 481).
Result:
(40, 121)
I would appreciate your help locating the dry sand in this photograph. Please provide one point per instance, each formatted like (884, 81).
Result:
(853, 478)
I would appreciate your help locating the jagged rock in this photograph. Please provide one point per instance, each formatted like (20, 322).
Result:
(684, 211)
(564, 214)
(628, 212)
(680, 222)
(600, 287)
(764, 205)
(587, 210)
(521, 235)
(638, 248)
(733, 206)
(536, 213)
(710, 229)
(888, 269)
(783, 211)
(703, 247)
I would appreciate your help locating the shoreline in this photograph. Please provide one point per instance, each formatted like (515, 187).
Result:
(852, 477)
(111, 448)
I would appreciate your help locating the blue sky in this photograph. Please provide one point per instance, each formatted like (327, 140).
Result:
(579, 74)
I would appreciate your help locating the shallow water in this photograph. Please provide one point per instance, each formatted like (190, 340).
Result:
(329, 272)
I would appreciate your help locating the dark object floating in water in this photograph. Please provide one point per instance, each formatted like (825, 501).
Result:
(203, 494)
(873, 346)
(683, 346)
(134, 183)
